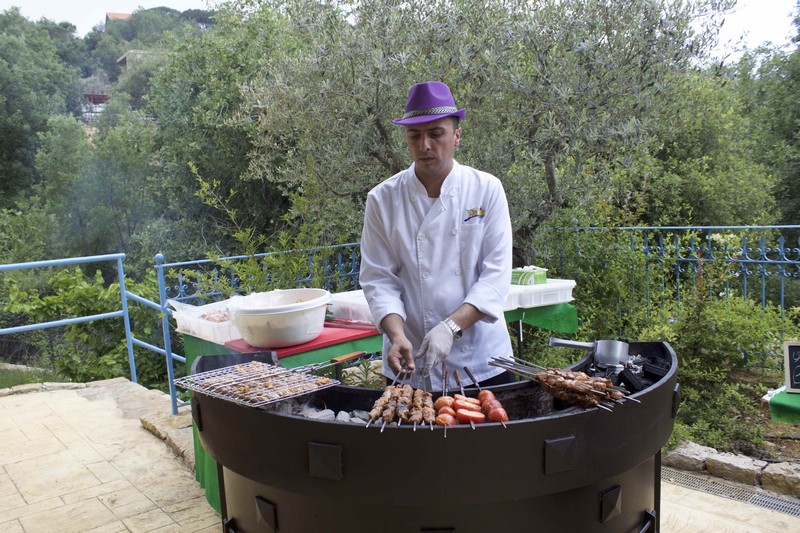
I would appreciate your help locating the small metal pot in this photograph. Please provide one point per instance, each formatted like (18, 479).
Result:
(605, 352)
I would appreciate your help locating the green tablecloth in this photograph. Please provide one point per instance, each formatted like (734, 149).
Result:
(785, 407)
(561, 318)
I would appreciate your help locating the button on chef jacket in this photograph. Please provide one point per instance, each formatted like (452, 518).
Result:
(422, 264)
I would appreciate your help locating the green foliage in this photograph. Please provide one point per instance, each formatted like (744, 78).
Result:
(34, 84)
(293, 257)
(366, 373)
(10, 377)
(196, 97)
(768, 83)
(91, 350)
(716, 337)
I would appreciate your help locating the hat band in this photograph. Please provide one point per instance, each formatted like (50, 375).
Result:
(442, 110)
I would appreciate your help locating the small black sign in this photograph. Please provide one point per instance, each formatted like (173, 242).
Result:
(791, 361)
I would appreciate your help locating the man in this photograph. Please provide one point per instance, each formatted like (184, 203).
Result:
(436, 252)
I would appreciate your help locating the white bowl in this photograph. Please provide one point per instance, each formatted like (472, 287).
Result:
(280, 318)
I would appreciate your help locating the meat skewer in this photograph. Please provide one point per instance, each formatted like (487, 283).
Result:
(380, 404)
(580, 389)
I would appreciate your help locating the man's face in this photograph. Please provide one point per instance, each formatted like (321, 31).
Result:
(432, 145)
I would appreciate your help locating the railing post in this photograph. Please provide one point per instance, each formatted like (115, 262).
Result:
(126, 319)
(162, 298)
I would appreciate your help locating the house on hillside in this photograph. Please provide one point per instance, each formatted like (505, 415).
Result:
(93, 104)
(117, 16)
(132, 56)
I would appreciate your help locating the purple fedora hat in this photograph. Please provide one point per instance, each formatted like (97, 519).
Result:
(429, 101)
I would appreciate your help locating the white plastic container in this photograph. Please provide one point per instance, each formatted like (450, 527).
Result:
(555, 291)
(351, 305)
(280, 318)
(192, 320)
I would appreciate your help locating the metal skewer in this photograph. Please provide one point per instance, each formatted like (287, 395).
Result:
(444, 391)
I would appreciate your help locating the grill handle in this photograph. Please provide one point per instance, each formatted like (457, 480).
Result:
(649, 525)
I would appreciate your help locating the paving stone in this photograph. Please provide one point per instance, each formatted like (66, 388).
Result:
(37, 483)
(97, 491)
(127, 503)
(149, 521)
(27, 387)
(11, 501)
(113, 527)
(783, 478)
(26, 450)
(688, 456)
(104, 471)
(734, 467)
(190, 512)
(75, 518)
(48, 386)
(7, 487)
(30, 509)
(12, 436)
(12, 527)
(6, 392)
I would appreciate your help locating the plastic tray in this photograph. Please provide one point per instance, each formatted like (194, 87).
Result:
(555, 291)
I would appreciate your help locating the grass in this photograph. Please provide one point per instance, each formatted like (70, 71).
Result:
(10, 377)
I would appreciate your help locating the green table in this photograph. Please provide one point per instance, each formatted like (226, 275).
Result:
(561, 318)
(785, 407)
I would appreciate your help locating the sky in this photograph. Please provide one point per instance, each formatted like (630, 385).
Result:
(86, 14)
(757, 21)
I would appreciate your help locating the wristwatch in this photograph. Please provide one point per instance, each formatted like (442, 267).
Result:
(455, 328)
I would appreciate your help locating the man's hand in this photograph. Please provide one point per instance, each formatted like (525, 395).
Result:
(400, 355)
(435, 347)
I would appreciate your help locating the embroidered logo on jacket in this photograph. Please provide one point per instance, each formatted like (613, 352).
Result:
(475, 212)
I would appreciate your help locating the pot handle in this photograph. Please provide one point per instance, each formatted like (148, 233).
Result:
(563, 343)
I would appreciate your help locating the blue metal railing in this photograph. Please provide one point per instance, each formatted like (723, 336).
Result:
(678, 252)
(124, 296)
(675, 249)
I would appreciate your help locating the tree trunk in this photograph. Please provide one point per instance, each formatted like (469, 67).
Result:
(550, 176)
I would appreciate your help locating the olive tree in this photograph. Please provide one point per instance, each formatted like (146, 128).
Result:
(556, 92)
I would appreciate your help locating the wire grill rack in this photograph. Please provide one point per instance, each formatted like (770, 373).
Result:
(255, 384)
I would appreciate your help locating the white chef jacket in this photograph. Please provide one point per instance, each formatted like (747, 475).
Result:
(423, 266)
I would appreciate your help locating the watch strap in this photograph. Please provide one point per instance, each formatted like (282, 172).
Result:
(455, 328)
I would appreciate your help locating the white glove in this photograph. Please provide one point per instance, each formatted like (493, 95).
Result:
(435, 347)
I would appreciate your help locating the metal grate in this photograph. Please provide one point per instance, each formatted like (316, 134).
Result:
(709, 485)
(255, 384)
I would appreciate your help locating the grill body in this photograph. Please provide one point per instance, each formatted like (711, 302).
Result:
(555, 469)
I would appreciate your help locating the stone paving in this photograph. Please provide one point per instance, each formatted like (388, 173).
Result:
(79, 460)
(107, 457)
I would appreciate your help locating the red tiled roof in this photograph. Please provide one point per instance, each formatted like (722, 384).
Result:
(117, 16)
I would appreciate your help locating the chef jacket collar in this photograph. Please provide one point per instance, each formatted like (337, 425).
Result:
(450, 182)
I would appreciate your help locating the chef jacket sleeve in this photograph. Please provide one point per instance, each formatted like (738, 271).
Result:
(379, 264)
(489, 293)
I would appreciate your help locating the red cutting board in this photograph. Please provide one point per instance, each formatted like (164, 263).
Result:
(328, 337)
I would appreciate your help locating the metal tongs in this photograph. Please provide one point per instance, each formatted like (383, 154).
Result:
(461, 386)
(475, 382)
